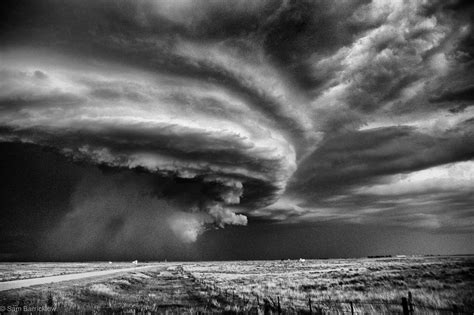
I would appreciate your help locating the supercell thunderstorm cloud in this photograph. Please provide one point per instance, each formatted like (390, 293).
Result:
(185, 116)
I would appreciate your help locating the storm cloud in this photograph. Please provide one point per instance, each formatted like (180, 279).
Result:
(288, 111)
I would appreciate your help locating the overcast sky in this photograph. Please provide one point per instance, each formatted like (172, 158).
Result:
(235, 130)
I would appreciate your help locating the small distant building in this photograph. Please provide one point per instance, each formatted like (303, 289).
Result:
(135, 262)
(110, 263)
(302, 260)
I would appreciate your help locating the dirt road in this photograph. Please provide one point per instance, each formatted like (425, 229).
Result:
(9, 285)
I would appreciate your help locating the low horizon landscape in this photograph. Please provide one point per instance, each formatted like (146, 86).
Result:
(436, 285)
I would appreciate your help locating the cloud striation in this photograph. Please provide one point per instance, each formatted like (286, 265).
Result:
(280, 110)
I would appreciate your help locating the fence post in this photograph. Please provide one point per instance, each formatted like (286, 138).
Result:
(279, 306)
(352, 308)
(50, 302)
(410, 303)
(455, 309)
(266, 306)
(310, 308)
(405, 306)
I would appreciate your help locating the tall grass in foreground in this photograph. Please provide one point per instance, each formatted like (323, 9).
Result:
(374, 286)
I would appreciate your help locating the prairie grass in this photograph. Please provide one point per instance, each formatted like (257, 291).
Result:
(374, 286)
(25, 270)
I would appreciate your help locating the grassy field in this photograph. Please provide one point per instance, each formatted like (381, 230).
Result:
(27, 270)
(372, 285)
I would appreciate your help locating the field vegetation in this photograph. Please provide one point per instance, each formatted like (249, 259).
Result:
(372, 285)
(26, 270)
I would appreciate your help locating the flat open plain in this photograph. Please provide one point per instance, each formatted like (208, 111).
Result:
(437, 285)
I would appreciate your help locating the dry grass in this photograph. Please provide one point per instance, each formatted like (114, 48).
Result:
(162, 289)
(373, 285)
(25, 270)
